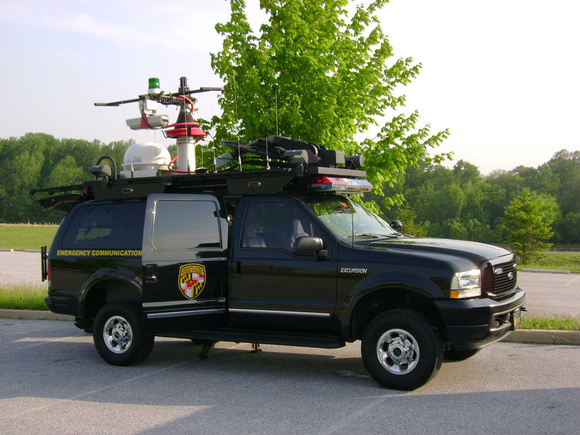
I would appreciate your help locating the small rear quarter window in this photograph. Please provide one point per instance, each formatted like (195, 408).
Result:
(109, 225)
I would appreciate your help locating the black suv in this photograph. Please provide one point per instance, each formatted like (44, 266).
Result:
(278, 256)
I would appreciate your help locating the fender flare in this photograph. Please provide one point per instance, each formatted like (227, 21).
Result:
(413, 283)
(127, 284)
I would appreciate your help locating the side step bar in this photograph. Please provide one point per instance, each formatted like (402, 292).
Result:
(245, 336)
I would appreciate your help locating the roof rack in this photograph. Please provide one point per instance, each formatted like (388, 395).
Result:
(287, 164)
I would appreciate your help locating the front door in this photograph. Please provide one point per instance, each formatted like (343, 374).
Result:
(184, 259)
(270, 286)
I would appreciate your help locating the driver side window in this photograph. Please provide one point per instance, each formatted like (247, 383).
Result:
(274, 225)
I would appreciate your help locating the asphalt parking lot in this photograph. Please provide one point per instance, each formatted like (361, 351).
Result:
(53, 381)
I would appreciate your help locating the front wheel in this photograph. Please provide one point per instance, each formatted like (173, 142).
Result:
(401, 349)
(118, 335)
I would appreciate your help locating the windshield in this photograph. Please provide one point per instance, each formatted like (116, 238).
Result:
(348, 219)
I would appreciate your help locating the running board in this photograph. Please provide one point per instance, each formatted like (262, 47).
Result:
(245, 336)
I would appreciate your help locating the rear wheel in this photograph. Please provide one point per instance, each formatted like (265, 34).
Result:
(118, 335)
(401, 349)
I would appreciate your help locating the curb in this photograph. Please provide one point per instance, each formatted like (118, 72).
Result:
(565, 272)
(33, 315)
(528, 336)
(541, 336)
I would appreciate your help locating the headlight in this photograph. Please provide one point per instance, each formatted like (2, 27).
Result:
(466, 284)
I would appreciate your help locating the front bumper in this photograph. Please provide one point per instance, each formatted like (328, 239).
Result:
(475, 323)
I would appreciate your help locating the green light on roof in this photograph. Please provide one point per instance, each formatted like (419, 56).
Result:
(154, 83)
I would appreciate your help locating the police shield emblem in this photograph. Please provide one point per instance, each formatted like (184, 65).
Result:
(191, 280)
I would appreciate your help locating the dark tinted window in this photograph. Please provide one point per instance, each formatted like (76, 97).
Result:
(186, 224)
(110, 225)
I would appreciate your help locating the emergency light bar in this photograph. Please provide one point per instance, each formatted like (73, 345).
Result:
(342, 185)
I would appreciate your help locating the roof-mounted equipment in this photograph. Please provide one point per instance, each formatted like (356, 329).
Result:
(185, 130)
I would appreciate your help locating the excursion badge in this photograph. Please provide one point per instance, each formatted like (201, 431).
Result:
(191, 280)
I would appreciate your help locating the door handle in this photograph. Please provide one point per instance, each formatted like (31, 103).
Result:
(236, 269)
(150, 273)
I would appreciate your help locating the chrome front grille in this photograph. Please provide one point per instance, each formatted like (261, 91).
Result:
(500, 280)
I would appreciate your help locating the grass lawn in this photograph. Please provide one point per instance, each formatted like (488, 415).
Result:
(23, 297)
(22, 236)
(556, 260)
(554, 323)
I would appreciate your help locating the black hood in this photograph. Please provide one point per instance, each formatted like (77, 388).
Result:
(476, 252)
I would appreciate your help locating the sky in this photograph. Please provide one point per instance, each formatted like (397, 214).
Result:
(502, 75)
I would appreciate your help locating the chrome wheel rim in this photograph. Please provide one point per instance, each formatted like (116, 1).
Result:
(117, 334)
(398, 351)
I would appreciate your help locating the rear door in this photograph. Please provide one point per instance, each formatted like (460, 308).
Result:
(184, 258)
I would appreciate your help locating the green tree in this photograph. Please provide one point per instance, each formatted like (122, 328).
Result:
(38, 160)
(564, 171)
(407, 216)
(66, 172)
(316, 73)
(21, 161)
(527, 222)
(466, 173)
(447, 203)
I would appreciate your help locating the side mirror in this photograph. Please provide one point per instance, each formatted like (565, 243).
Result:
(307, 246)
(397, 225)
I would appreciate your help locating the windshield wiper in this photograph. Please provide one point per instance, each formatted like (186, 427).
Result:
(377, 236)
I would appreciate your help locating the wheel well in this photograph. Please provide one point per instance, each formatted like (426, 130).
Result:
(106, 292)
(386, 299)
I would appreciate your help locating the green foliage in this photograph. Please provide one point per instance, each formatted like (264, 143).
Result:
(316, 73)
(38, 160)
(407, 216)
(65, 173)
(527, 224)
(462, 203)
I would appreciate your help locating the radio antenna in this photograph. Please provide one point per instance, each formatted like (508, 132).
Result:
(276, 98)
(238, 129)
(267, 156)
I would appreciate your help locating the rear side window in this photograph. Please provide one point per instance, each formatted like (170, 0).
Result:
(110, 225)
(186, 224)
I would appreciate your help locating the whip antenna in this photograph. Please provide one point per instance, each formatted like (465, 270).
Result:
(236, 115)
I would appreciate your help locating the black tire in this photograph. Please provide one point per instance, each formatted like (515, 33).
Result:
(401, 349)
(119, 337)
(459, 355)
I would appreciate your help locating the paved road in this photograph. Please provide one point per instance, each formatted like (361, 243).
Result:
(52, 381)
(551, 293)
(547, 293)
(20, 267)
